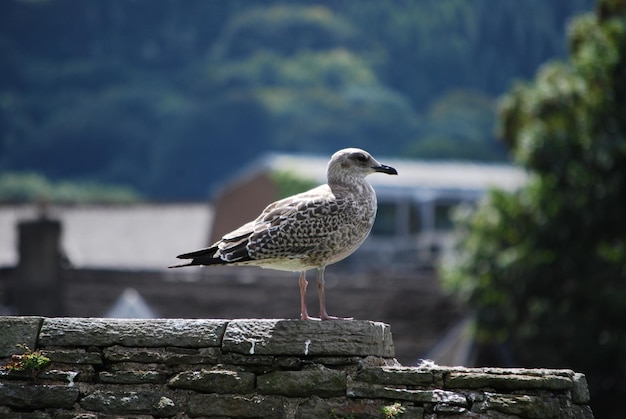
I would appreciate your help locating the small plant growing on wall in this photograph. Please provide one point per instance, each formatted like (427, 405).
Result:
(393, 410)
(30, 360)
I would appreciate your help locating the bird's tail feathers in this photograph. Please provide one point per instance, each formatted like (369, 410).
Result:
(204, 256)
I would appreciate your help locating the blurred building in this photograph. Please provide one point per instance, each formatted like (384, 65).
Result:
(131, 237)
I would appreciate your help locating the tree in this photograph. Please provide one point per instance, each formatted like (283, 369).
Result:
(458, 126)
(30, 187)
(174, 99)
(545, 267)
(306, 67)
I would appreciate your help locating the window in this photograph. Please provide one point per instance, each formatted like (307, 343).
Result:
(443, 215)
(414, 218)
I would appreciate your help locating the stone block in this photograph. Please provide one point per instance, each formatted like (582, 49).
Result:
(70, 374)
(251, 360)
(395, 376)
(316, 407)
(37, 414)
(362, 390)
(236, 406)
(472, 379)
(214, 381)
(29, 396)
(73, 356)
(318, 381)
(447, 410)
(376, 361)
(82, 332)
(526, 406)
(18, 331)
(138, 366)
(133, 377)
(337, 361)
(167, 356)
(308, 338)
(581, 412)
(580, 390)
(130, 403)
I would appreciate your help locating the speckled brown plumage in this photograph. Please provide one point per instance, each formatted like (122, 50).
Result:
(309, 230)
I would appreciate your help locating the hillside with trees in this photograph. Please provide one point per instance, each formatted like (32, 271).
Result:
(169, 98)
(545, 268)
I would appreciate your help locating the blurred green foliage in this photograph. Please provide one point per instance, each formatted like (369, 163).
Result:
(28, 187)
(170, 97)
(289, 183)
(545, 268)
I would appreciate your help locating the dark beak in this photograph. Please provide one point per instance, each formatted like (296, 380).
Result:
(383, 168)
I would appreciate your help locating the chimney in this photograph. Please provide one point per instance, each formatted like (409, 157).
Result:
(38, 288)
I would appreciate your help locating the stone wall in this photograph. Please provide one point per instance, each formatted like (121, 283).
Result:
(257, 369)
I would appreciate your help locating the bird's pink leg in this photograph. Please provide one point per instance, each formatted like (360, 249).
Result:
(320, 292)
(304, 314)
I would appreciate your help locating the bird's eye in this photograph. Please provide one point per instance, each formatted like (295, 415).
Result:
(361, 157)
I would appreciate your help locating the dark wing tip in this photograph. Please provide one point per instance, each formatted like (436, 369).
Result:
(180, 265)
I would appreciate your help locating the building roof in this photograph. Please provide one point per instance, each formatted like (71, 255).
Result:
(425, 174)
(423, 179)
(130, 305)
(134, 237)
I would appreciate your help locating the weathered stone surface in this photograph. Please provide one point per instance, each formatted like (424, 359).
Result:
(37, 414)
(319, 381)
(395, 376)
(413, 412)
(139, 366)
(362, 390)
(73, 356)
(214, 381)
(70, 376)
(581, 412)
(37, 396)
(580, 390)
(539, 372)
(133, 377)
(130, 403)
(236, 406)
(478, 379)
(333, 361)
(316, 407)
(446, 409)
(526, 406)
(288, 363)
(168, 356)
(18, 331)
(307, 338)
(239, 359)
(376, 361)
(83, 332)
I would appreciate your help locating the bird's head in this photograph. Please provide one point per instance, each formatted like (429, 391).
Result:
(354, 162)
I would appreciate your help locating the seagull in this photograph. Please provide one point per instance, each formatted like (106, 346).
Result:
(309, 230)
